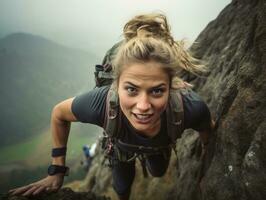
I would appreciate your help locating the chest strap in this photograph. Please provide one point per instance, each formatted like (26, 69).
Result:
(150, 150)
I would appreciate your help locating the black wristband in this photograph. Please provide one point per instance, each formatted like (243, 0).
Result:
(58, 169)
(61, 151)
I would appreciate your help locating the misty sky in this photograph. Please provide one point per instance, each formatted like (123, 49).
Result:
(96, 25)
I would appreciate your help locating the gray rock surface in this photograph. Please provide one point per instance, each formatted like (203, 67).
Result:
(234, 46)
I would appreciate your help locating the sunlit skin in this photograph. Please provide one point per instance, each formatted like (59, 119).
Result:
(143, 90)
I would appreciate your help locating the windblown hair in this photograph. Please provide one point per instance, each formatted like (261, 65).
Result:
(148, 38)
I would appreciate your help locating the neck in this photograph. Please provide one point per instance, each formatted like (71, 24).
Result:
(153, 131)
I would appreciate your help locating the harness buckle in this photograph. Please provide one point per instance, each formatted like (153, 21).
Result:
(178, 122)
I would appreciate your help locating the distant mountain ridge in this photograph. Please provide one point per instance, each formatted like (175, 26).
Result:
(35, 74)
(35, 44)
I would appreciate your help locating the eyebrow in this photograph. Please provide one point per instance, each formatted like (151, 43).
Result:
(157, 86)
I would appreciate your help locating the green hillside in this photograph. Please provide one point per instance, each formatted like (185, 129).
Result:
(36, 74)
(38, 147)
(27, 161)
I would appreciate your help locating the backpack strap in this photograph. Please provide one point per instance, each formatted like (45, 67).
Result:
(112, 119)
(175, 114)
(112, 122)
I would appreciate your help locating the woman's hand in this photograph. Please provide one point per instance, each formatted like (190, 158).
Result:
(48, 184)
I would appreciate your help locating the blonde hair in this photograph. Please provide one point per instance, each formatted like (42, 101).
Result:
(148, 38)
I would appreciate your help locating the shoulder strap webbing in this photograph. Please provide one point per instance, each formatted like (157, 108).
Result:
(175, 115)
(112, 120)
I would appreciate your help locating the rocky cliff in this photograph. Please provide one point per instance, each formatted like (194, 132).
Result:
(234, 48)
(234, 45)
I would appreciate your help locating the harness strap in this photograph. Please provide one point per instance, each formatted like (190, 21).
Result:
(175, 114)
(141, 153)
(138, 149)
(142, 160)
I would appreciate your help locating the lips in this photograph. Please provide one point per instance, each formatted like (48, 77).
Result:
(143, 118)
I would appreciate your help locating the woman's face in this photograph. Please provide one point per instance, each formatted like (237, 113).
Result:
(143, 90)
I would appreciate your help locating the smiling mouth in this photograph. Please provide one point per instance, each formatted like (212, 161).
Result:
(143, 118)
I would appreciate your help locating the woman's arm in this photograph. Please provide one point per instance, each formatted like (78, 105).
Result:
(61, 119)
(87, 108)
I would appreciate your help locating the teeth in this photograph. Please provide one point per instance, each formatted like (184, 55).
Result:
(142, 116)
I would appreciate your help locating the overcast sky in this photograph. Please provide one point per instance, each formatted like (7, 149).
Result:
(94, 25)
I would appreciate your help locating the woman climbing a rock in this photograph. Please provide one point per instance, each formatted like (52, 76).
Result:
(143, 111)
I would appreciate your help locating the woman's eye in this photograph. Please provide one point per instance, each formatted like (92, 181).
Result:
(131, 90)
(157, 92)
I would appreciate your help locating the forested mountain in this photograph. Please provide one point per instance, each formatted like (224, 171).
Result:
(35, 74)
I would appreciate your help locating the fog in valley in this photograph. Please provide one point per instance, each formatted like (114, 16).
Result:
(96, 25)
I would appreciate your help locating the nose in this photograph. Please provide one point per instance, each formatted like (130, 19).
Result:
(143, 103)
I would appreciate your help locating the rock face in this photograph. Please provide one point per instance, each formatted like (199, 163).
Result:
(234, 45)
